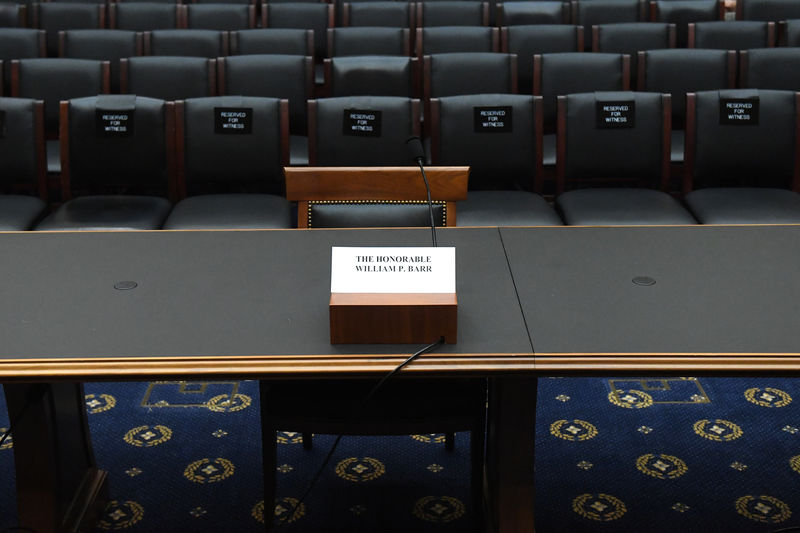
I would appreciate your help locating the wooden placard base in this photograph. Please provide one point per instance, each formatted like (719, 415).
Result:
(409, 318)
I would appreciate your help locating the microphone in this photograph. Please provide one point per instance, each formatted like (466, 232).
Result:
(417, 154)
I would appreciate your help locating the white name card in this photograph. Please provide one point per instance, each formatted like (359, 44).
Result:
(393, 270)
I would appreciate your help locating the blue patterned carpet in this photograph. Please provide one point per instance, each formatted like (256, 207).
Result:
(678, 455)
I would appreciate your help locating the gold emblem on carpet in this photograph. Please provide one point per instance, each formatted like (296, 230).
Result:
(147, 436)
(360, 469)
(661, 466)
(599, 507)
(209, 471)
(794, 462)
(717, 430)
(765, 509)
(430, 438)
(284, 507)
(226, 403)
(98, 403)
(439, 509)
(289, 437)
(630, 399)
(122, 515)
(575, 430)
(9, 442)
(768, 397)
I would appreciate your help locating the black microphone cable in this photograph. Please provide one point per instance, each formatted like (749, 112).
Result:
(417, 153)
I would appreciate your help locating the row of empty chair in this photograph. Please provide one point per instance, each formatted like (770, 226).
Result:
(221, 158)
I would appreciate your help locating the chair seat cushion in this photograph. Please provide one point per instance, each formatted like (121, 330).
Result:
(113, 212)
(621, 207)
(505, 208)
(18, 213)
(745, 205)
(230, 211)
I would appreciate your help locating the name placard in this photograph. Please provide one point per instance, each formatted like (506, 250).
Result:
(2, 124)
(361, 123)
(393, 270)
(621, 114)
(493, 119)
(233, 120)
(114, 123)
(738, 111)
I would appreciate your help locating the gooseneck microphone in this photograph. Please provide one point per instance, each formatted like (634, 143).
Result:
(417, 153)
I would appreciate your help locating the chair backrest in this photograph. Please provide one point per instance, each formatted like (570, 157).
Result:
(372, 76)
(529, 40)
(272, 41)
(361, 130)
(144, 16)
(588, 13)
(113, 142)
(19, 43)
(685, 70)
(290, 77)
(13, 15)
(194, 43)
(105, 45)
(682, 12)
(447, 39)
(613, 136)
(221, 17)
(469, 73)
(577, 72)
(231, 144)
(770, 68)
(380, 13)
(56, 79)
(452, 13)
(789, 32)
(767, 10)
(499, 136)
(22, 148)
(55, 16)
(742, 137)
(374, 196)
(631, 37)
(533, 12)
(732, 35)
(168, 77)
(301, 15)
(369, 41)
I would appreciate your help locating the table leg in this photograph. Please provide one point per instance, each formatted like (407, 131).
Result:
(59, 488)
(510, 452)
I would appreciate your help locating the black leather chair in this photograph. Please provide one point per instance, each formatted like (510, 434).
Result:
(682, 12)
(131, 149)
(144, 16)
(221, 17)
(19, 43)
(168, 77)
(193, 43)
(682, 71)
(245, 191)
(503, 148)
(369, 41)
(632, 37)
(104, 45)
(529, 40)
(620, 141)
(301, 15)
(337, 136)
(767, 10)
(533, 12)
(372, 76)
(272, 41)
(450, 39)
(732, 35)
(22, 153)
(789, 32)
(13, 15)
(56, 16)
(380, 13)
(452, 13)
(589, 13)
(745, 171)
(770, 68)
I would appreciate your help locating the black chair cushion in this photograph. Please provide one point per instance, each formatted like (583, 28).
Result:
(470, 73)
(300, 15)
(682, 12)
(197, 43)
(230, 211)
(621, 207)
(18, 213)
(773, 68)
(374, 214)
(18, 141)
(145, 16)
(391, 14)
(527, 40)
(770, 9)
(744, 205)
(731, 35)
(367, 40)
(272, 41)
(114, 212)
(452, 13)
(371, 76)
(505, 208)
(538, 12)
(109, 45)
(169, 77)
(221, 17)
